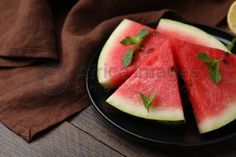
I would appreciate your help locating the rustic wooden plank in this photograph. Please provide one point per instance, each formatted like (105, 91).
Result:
(91, 122)
(65, 140)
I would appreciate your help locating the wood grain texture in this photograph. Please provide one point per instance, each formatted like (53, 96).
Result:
(89, 135)
(65, 140)
(92, 123)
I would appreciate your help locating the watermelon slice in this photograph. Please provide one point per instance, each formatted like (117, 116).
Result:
(189, 33)
(156, 75)
(214, 104)
(110, 70)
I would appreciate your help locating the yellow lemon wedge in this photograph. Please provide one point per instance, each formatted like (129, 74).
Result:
(231, 17)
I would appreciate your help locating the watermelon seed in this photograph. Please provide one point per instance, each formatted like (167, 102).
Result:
(225, 61)
(154, 33)
(190, 83)
(226, 54)
(142, 48)
(173, 69)
(150, 50)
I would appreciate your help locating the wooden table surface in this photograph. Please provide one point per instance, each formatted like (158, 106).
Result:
(87, 134)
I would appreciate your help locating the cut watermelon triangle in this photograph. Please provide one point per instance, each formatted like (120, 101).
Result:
(188, 33)
(214, 104)
(110, 70)
(155, 75)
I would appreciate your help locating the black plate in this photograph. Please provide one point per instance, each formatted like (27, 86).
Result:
(151, 132)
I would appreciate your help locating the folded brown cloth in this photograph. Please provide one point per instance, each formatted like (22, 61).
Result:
(46, 45)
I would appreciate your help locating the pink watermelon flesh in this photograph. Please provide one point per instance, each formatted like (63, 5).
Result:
(156, 74)
(214, 104)
(111, 72)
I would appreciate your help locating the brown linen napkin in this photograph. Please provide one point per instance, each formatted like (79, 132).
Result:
(46, 45)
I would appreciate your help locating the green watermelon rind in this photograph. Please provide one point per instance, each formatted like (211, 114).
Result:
(209, 40)
(125, 105)
(105, 53)
(215, 122)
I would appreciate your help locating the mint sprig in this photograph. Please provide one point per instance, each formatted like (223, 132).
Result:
(147, 101)
(127, 58)
(137, 39)
(136, 42)
(213, 66)
(231, 45)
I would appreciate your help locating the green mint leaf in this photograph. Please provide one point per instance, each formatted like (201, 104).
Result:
(152, 97)
(127, 58)
(213, 66)
(215, 76)
(214, 71)
(204, 57)
(147, 101)
(142, 34)
(129, 41)
(137, 39)
(231, 45)
(144, 98)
